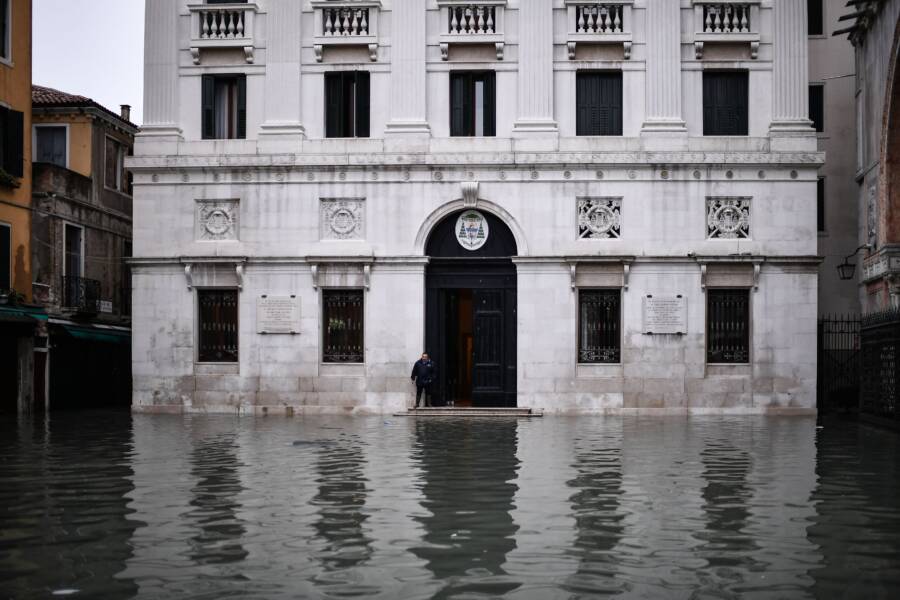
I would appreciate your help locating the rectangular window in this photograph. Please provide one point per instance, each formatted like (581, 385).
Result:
(74, 250)
(115, 176)
(51, 145)
(224, 107)
(817, 106)
(820, 203)
(5, 41)
(473, 104)
(815, 15)
(342, 326)
(725, 99)
(5, 257)
(347, 104)
(598, 99)
(218, 325)
(599, 326)
(12, 141)
(727, 326)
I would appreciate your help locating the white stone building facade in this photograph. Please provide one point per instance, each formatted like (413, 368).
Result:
(648, 247)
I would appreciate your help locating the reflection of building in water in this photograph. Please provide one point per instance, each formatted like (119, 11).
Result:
(469, 470)
(66, 522)
(856, 524)
(726, 503)
(341, 498)
(598, 519)
(215, 504)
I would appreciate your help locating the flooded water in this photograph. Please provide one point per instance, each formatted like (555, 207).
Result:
(106, 505)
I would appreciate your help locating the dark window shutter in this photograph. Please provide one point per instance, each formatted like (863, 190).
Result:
(815, 17)
(5, 257)
(820, 204)
(362, 104)
(241, 107)
(490, 104)
(208, 107)
(725, 103)
(13, 153)
(458, 125)
(817, 106)
(583, 103)
(334, 95)
(613, 100)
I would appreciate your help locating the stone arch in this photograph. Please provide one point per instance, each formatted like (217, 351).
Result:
(445, 210)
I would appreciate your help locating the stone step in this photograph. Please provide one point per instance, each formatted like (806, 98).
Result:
(471, 412)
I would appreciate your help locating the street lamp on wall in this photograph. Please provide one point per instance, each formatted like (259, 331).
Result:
(846, 270)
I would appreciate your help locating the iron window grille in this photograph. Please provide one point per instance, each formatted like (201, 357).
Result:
(599, 326)
(728, 326)
(343, 326)
(218, 326)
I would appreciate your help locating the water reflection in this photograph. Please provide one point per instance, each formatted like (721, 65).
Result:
(65, 523)
(598, 520)
(215, 506)
(469, 469)
(340, 501)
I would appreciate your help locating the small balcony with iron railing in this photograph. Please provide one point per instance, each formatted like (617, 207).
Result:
(726, 22)
(592, 22)
(346, 23)
(80, 295)
(223, 27)
(472, 23)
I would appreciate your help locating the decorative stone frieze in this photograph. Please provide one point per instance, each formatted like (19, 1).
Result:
(728, 218)
(217, 220)
(599, 218)
(342, 219)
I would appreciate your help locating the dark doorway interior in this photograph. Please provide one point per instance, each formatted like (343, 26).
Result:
(9, 373)
(470, 317)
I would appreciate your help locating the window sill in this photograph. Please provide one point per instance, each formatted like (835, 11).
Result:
(8, 62)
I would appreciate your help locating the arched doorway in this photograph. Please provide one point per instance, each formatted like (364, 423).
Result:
(470, 309)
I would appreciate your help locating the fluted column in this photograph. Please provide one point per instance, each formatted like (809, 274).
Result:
(535, 67)
(663, 88)
(282, 90)
(790, 71)
(408, 86)
(161, 68)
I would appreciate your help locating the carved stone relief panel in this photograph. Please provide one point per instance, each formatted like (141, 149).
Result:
(217, 220)
(599, 218)
(727, 218)
(342, 218)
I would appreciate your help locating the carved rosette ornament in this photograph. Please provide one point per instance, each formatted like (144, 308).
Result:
(728, 218)
(343, 218)
(599, 218)
(217, 220)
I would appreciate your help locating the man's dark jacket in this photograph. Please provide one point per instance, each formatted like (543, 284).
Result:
(424, 372)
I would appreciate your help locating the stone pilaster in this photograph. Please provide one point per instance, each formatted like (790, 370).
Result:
(790, 70)
(663, 90)
(535, 68)
(161, 69)
(408, 72)
(282, 89)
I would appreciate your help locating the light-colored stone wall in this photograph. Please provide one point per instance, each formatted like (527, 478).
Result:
(410, 172)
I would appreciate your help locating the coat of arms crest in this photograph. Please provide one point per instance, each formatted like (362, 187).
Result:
(472, 230)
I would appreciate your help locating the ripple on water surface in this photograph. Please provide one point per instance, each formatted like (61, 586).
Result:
(114, 506)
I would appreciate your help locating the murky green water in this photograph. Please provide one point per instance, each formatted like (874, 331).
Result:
(104, 505)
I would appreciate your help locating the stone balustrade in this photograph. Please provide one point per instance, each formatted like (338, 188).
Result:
(724, 17)
(472, 23)
(592, 22)
(726, 21)
(222, 26)
(346, 23)
(599, 17)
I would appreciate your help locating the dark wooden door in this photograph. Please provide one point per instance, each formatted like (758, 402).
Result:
(489, 362)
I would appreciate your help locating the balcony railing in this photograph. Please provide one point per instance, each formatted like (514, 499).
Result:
(726, 21)
(472, 23)
(346, 23)
(81, 294)
(592, 22)
(223, 26)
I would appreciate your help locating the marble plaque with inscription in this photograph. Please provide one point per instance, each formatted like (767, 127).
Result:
(278, 314)
(665, 315)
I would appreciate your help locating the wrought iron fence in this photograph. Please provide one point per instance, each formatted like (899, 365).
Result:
(80, 294)
(838, 363)
(880, 338)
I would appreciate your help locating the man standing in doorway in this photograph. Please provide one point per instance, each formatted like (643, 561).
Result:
(424, 373)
